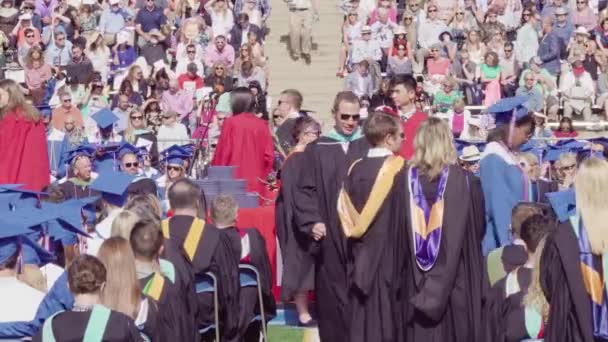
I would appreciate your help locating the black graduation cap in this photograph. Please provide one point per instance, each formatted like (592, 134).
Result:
(563, 203)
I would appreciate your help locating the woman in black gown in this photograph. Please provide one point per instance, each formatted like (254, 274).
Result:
(445, 227)
(296, 244)
(86, 275)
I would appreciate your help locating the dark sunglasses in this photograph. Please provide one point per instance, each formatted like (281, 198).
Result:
(191, 51)
(527, 14)
(67, 100)
(134, 164)
(28, 8)
(174, 168)
(346, 117)
(138, 117)
(509, 50)
(432, 10)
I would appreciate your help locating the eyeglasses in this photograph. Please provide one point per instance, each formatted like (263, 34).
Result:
(28, 8)
(459, 13)
(527, 14)
(137, 117)
(191, 51)
(173, 168)
(407, 18)
(134, 164)
(276, 116)
(508, 50)
(432, 10)
(67, 100)
(219, 68)
(346, 117)
(29, 36)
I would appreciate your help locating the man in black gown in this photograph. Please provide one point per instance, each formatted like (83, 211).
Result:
(158, 280)
(370, 207)
(327, 161)
(196, 247)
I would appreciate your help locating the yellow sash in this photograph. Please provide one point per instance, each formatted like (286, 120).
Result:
(195, 233)
(355, 224)
(154, 287)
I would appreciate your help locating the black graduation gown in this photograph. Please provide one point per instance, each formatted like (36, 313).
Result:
(446, 301)
(173, 321)
(70, 326)
(542, 187)
(214, 254)
(248, 296)
(285, 135)
(143, 186)
(377, 262)
(562, 283)
(298, 263)
(325, 165)
(73, 191)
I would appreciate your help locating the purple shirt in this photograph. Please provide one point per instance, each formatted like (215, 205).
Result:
(45, 10)
(180, 102)
(226, 56)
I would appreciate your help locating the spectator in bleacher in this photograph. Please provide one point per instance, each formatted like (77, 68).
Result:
(535, 102)
(359, 81)
(550, 47)
(98, 53)
(126, 89)
(540, 130)
(383, 31)
(112, 20)
(138, 81)
(428, 36)
(191, 57)
(401, 63)
(171, 132)
(26, 47)
(250, 73)
(239, 32)
(219, 51)
(25, 22)
(544, 82)
(149, 19)
(177, 100)
(444, 98)
(222, 18)
(475, 47)
(437, 67)
(37, 73)
(80, 67)
(383, 5)
(601, 35)
(59, 51)
(563, 26)
(578, 44)
(565, 129)
(410, 28)
(592, 60)
(509, 69)
(491, 26)
(578, 90)
(190, 80)
(255, 14)
(219, 76)
(9, 16)
(65, 109)
(526, 43)
(464, 71)
(602, 90)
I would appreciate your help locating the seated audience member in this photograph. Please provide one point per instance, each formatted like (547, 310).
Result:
(177, 100)
(565, 129)
(251, 251)
(469, 159)
(578, 90)
(218, 52)
(191, 57)
(80, 67)
(65, 109)
(157, 279)
(190, 80)
(535, 102)
(359, 81)
(171, 132)
(86, 278)
(218, 75)
(446, 97)
(250, 73)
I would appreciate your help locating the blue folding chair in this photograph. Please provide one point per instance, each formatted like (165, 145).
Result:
(249, 276)
(207, 283)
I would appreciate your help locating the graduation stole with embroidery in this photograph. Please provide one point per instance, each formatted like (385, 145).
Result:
(195, 234)
(427, 222)
(154, 286)
(593, 279)
(354, 223)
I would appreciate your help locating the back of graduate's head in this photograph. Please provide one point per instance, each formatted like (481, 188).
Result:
(434, 147)
(534, 229)
(184, 194)
(224, 211)
(242, 100)
(591, 187)
(383, 130)
(520, 213)
(86, 275)
(146, 240)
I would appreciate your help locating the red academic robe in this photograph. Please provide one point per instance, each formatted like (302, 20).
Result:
(410, 127)
(246, 142)
(23, 152)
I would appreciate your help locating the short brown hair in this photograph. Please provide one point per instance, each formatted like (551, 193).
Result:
(520, 213)
(379, 126)
(224, 210)
(146, 239)
(86, 274)
(344, 96)
(295, 96)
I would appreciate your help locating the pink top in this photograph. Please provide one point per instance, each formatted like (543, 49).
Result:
(392, 16)
(226, 56)
(34, 78)
(457, 123)
(438, 67)
(586, 18)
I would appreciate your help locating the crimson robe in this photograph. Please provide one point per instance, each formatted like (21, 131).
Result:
(410, 127)
(246, 142)
(23, 152)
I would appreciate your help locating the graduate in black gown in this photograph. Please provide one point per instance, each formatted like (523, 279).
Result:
(370, 206)
(88, 318)
(296, 245)
(251, 250)
(446, 282)
(325, 164)
(78, 184)
(195, 247)
(573, 261)
(157, 279)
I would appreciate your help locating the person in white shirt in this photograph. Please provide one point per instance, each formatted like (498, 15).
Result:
(382, 30)
(428, 35)
(191, 56)
(578, 90)
(366, 48)
(171, 132)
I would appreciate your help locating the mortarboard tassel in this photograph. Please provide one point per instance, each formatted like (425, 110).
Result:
(20, 256)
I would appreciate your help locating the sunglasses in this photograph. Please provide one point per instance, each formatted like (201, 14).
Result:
(527, 14)
(138, 117)
(459, 13)
(432, 10)
(346, 117)
(28, 8)
(134, 164)
(190, 51)
(67, 100)
(174, 168)
(508, 50)
(219, 68)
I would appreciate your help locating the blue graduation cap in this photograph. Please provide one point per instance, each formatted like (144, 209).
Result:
(87, 150)
(174, 149)
(176, 158)
(535, 147)
(68, 222)
(105, 160)
(563, 203)
(125, 148)
(113, 186)
(15, 197)
(188, 148)
(16, 226)
(45, 110)
(505, 108)
(105, 118)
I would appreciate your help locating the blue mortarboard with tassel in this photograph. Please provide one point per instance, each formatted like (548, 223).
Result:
(105, 118)
(505, 108)
(563, 203)
(113, 186)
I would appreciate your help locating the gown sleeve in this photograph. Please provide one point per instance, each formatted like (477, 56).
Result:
(306, 201)
(224, 146)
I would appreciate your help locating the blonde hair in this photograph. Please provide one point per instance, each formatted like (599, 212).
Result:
(17, 102)
(535, 298)
(531, 158)
(122, 292)
(565, 158)
(591, 187)
(434, 147)
(123, 224)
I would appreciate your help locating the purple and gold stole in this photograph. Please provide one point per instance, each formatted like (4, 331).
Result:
(426, 222)
(354, 223)
(592, 272)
